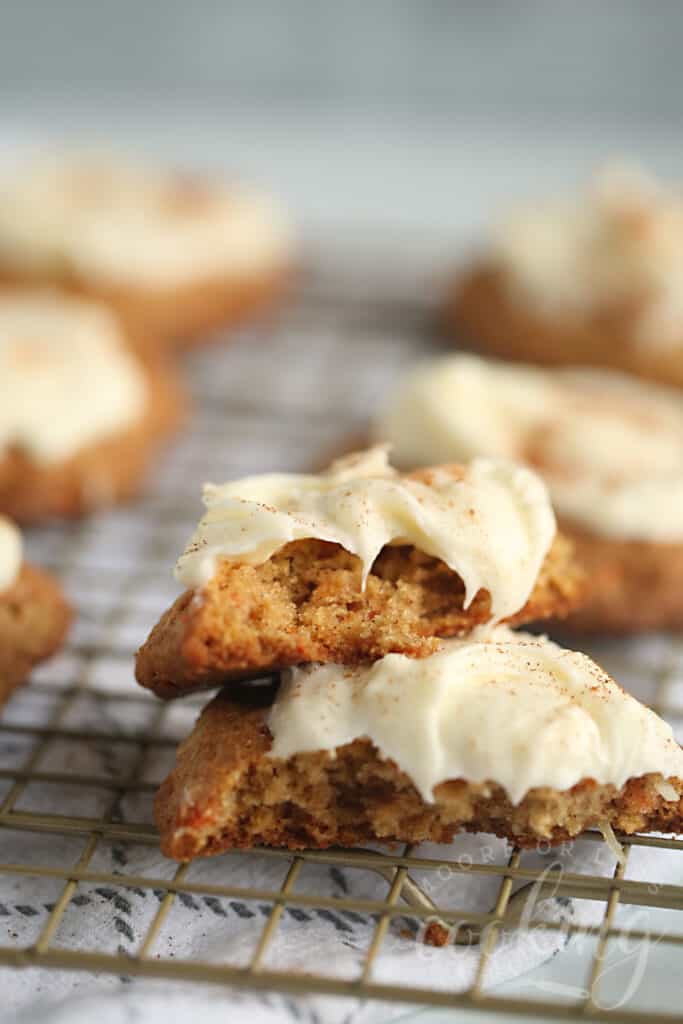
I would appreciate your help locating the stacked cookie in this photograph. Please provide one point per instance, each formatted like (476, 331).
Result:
(399, 704)
(407, 708)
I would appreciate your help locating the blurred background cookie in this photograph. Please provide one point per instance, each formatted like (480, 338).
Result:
(82, 414)
(595, 279)
(609, 447)
(34, 615)
(175, 255)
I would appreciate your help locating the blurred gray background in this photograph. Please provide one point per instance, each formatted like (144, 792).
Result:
(424, 115)
(577, 59)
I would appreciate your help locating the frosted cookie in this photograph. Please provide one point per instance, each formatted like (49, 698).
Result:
(81, 415)
(505, 733)
(609, 447)
(176, 256)
(34, 616)
(353, 563)
(595, 280)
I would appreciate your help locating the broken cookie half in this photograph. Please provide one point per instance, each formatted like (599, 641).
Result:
(356, 563)
(499, 732)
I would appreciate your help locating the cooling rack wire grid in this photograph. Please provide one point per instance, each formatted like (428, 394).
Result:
(82, 748)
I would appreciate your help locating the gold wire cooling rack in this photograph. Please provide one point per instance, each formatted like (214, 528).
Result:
(249, 416)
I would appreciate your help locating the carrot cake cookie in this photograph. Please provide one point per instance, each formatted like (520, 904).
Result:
(176, 255)
(609, 447)
(501, 732)
(34, 616)
(594, 280)
(82, 415)
(353, 563)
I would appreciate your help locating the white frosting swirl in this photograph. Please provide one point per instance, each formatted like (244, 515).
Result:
(10, 553)
(122, 223)
(621, 241)
(498, 707)
(67, 377)
(493, 527)
(610, 447)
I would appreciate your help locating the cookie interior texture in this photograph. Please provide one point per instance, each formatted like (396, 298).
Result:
(481, 311)
(306, 604)
(100, 474)
(34, 619)
(225, 792)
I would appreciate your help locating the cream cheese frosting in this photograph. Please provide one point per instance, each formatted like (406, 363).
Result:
(67, 378)
(493, 527)
(122, 223)
(621, 241)
(10, 553)
(498, 707)
(609, 447)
